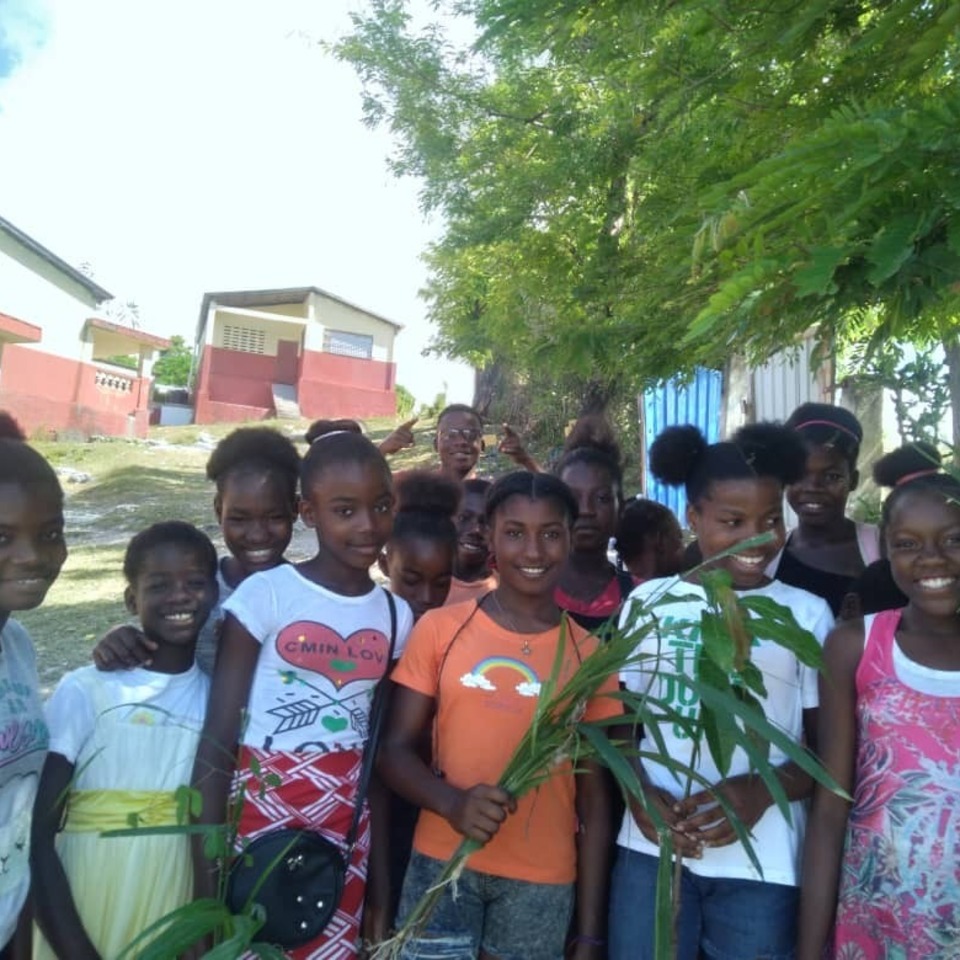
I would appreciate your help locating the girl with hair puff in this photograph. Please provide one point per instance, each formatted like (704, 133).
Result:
(727, 909)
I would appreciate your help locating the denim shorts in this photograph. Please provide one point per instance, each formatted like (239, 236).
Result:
(507, 919)
(725, 918)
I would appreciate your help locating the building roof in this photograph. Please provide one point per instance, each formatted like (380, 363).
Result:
(272, 298)
(18, 331)
(131, 333)
(26, 241)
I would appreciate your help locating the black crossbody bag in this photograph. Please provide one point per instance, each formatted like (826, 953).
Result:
(297, 875)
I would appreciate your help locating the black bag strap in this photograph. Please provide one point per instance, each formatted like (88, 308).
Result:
(627, 584)
(377, 711)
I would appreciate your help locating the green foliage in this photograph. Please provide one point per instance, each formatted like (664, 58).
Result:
(123, 360)
(430, 411)
(173, 366)
(631, 190)
(917, 380)
(406, 401)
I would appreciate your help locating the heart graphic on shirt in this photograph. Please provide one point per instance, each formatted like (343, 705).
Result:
(334, 724)
(342, 660)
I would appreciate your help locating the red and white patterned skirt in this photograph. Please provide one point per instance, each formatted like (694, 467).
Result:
(316, 792)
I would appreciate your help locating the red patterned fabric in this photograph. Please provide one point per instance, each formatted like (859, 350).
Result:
(316, 792)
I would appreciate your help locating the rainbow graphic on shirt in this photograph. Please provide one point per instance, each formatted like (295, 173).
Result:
(477, 678)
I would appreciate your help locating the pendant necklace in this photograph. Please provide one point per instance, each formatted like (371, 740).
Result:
(525, 647)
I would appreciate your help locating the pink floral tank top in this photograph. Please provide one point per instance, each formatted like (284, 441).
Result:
(900, 881)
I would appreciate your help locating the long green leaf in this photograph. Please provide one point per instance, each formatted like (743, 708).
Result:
(775, 622)
(795, 751)
(664, 934)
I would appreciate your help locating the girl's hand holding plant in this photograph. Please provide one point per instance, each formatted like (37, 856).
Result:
(478, 812)
(748, 798)
(672, 811)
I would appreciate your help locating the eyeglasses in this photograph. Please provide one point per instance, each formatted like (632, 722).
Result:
(470, 434)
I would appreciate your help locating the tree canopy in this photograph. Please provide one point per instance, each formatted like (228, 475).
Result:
(632, 189)
(172, 367)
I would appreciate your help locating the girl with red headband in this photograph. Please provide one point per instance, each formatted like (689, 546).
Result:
(826, 552)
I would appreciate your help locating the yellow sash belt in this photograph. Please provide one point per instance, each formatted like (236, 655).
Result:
(97, 811)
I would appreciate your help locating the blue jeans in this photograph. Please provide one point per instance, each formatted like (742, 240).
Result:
(726, 919)
(507, 919)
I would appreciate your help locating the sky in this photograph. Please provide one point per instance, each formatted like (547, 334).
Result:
(201, 145)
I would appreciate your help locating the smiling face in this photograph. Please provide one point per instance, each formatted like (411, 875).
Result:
(32, 548)
(473, 548)
(819, 499)
(350, 505)
(596, 496)
(736, 510)
(256, 517)
(923, 545)
(172, 594)
(420, 569)
(531, 541)
(459, 442)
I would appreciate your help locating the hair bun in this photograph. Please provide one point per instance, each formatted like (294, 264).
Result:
(917, 457)
(425, 491)
(675, 454)
(321, 428)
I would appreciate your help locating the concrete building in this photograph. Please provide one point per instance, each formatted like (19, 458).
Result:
(295, 352)
(54, 345)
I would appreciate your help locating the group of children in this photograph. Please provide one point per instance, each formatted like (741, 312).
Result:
(251, 677)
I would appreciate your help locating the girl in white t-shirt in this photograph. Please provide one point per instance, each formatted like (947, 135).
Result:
(302, 648)
(734, 492)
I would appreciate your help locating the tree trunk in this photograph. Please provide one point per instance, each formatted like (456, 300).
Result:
(595, 397)
(951, 352)
(488, 386)
(865, 402)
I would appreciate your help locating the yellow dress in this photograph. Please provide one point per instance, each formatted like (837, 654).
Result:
(142, 747)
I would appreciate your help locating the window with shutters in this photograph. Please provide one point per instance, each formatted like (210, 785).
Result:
(244, 339)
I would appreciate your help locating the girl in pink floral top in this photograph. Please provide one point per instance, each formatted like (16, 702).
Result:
(884, 872)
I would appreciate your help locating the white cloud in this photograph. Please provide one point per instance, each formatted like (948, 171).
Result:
(476, 681)
(184, 147)
(527, 689)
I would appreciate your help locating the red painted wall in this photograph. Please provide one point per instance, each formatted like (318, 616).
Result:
(48, 393)
(214, 411)
(234, 386)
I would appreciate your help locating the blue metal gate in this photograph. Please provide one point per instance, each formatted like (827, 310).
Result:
(697, 402)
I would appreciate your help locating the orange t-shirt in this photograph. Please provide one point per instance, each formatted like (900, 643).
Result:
(461, 590)
(488, 691)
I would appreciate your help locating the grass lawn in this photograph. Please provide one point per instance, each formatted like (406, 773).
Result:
(133, 484)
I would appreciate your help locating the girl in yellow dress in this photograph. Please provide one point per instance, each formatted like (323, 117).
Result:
(120, 745)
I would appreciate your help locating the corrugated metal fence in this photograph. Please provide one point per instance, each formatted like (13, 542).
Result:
(697, 402)
(786, 380)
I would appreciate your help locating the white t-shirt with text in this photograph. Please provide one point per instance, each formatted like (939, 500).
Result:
(791, 689)
(321, 657)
